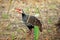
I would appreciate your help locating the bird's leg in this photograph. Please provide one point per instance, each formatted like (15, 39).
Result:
(29, 35)
(30, 31)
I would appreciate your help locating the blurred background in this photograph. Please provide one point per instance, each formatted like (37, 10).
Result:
(12, 27)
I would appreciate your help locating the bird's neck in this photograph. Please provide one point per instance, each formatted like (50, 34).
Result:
(23, 14)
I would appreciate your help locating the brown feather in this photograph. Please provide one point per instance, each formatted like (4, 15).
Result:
(34, 21)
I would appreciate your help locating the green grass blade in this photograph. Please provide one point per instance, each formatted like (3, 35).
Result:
(5, 16)
(36, 32)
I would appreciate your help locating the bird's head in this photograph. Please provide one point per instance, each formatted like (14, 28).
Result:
(20, 11)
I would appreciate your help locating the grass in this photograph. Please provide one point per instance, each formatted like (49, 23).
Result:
(26, 9)
(36, 10)
(5, 16)
(49, 21)
(13, 36)
(52, 6)
(18, 30)
(8, 27)
(36, 32)
(49, 30)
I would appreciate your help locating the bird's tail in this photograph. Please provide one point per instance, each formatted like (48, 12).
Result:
(40, 27)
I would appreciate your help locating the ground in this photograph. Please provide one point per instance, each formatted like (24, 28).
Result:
(12, 26)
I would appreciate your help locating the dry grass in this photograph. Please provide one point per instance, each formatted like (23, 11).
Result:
(49, 11)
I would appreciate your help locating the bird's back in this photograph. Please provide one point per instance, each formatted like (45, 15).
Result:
(34, 21)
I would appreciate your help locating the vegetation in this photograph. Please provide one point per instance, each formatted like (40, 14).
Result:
(50, 13)
(5, 16)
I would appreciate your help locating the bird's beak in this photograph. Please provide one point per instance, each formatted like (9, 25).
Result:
(18, 10)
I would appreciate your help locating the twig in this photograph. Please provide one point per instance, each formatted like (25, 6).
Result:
(28, 19)
(9, 6)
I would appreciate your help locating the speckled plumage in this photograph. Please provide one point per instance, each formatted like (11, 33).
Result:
(31, 22)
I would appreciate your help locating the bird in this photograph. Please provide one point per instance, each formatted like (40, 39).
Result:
(29, 21)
